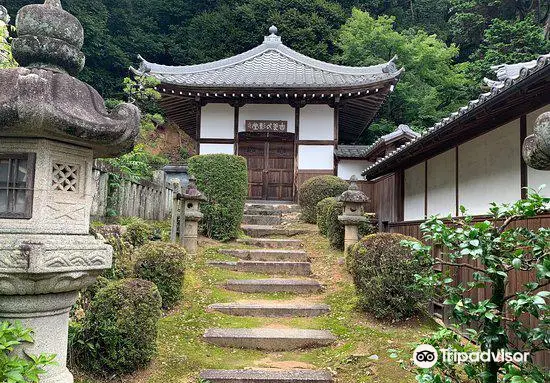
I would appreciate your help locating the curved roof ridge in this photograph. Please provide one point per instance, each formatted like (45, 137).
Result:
(268, 44)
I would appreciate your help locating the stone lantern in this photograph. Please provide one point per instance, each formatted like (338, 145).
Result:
(353, 215)
(536, 147)
(191, 200)
(52, 126)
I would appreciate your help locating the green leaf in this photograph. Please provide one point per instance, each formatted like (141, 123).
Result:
(516, 263)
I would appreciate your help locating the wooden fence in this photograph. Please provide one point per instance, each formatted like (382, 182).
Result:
(115, 195)
(463, 275)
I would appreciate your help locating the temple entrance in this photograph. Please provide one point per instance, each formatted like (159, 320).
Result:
(270, 161)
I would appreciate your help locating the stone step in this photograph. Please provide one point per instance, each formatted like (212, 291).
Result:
(251, 211)
(270, 267)
(269, 243)
(268, 230)
(274, 285)
(267, 254)
(282, 207)
(266, 376)
(271, 309)
(260, 219)
(269, 339)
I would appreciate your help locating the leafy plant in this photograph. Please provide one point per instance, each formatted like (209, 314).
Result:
(13, 368)
(223, 179)
(6, 58)
(492, 250)
(316, 189)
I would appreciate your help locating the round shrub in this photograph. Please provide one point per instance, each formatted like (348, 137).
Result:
(163, 264)
(384, 275)
(316, 189)
(223, 179)
(118, 335)
(138, 232)
(322, 210)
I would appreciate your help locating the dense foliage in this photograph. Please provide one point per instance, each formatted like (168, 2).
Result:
(223, 179)
(384, 276)
(13, 368)
(6, 59)
(172, 32)
(316, 189)
(119, 332)
(163, 264)
(492, 251)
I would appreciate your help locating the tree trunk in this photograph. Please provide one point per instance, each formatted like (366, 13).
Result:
(492, 329)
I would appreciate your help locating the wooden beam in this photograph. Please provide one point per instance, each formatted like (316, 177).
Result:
(457, 197)
(524, 183)
(217, 141)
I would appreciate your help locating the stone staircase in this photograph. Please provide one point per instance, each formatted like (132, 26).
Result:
(277, 258)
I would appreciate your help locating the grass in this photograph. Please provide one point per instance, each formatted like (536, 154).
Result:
(182, 353)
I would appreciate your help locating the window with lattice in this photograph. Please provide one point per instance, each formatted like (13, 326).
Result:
(65, 177)
(16, 185)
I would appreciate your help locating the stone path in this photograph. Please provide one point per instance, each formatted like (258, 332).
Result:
(288, 268)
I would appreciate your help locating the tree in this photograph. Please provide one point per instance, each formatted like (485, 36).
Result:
(508, 42)
(492, 250)
(432, 85)
(306, 26)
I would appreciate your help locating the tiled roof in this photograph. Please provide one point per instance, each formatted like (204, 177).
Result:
(509, 75)
(270, 65)
(363, 151)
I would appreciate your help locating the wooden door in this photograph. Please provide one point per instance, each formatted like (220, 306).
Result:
(270, 169)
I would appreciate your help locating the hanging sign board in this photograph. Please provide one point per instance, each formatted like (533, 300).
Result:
(266, 126)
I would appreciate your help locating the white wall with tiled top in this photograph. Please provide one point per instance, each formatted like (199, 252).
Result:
(217, 121)
(316, 122)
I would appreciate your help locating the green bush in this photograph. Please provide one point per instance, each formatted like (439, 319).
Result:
(384, 275)
(163, 264)
(316, 189)
(328, 211)
(138, 232)
(118, 334)
(13, 367)
(223, 179)
(322, 210)
(123, 251)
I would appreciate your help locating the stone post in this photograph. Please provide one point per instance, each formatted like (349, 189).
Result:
(536, 147)
(52, 126)
(353, 214)
(191, 211)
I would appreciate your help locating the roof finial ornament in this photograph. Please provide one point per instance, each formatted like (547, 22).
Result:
(353, 183)
(273, 30)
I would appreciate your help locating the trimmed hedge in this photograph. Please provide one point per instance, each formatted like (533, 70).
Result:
(384, 275)
(315, 190)
(223, 179)
(163, 264)
(118, 335)
(328, 211)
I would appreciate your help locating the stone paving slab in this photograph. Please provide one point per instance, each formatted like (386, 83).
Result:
(267, 230)
(268, 254)
(269, 339)
(251, 218)
(267, 376)
(270, 243)
(275, 285)
(271, 309)
(268, 267)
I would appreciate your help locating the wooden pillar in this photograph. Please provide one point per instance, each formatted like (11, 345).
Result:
(296, 147)
(236, 130)
(523, 164)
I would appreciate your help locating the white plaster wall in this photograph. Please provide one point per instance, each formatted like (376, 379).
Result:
(282, 112)
(217, 121)
(217, 149)
(414, 192)
(348, 168)
(536, 178)
(316, 122)
(316, 157)
(442, 184)
(489, 169)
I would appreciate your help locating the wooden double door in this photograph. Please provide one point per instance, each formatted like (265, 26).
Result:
(270, 169)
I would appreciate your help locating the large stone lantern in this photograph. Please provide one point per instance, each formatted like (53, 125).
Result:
(191, 199)
(354, 201)
(536, 147)
(52, 126)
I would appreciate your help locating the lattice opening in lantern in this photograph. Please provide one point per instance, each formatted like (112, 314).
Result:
(65, 177)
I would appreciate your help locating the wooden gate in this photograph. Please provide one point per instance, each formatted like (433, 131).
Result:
(270, 169)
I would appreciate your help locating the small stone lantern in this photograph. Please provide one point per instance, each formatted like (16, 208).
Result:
(354, 201)
(191, 200)
(52, 126)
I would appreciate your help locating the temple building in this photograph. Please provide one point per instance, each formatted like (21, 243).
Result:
(286, 113)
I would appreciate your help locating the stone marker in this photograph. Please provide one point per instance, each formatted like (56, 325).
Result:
(353, 215)
(52, 126)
